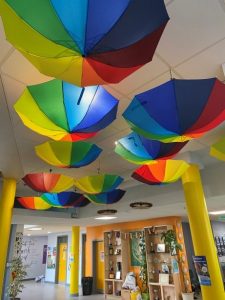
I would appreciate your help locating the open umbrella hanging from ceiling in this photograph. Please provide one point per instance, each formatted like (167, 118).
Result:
(48, 182)
(35, 203)
(218, 149)
(85, 42)
(164, 171)
(65, 199)
(63, 111)
(97, 184)
(107, 198)
(178, 110)
(139, 150)
(68, 154)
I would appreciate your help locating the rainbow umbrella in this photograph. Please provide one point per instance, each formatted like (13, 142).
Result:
(35, 203)
(107, 198)
(97, 184)
(65, 199)
(63, 111)
(178, 110)
(48, 182)
(68, 154)
(218, 149)
(85, 42)
(164, 171)
(139, 150)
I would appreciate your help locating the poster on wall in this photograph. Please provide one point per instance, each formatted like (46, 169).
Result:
(135, 250)
(51, 259)
(201, 268)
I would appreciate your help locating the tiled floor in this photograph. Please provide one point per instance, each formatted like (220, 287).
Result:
(48, 291)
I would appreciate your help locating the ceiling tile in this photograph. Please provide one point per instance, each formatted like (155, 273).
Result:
(193, 26)
(4, 45)
(20, 68)
(205, 64)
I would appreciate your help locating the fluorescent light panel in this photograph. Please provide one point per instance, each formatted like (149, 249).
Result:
(35, 229)
(218, 212)
(105, 218)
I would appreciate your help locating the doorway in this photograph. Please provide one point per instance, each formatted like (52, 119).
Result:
(98, 266)
(62, 253)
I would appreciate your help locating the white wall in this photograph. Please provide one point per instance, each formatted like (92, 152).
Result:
(52, 242)
(32, 253)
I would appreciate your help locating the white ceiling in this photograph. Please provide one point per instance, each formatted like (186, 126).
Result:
(192, 46)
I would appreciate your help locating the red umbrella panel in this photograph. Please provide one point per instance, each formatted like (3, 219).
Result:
(48, 182)
(34, 203)
(163, 172)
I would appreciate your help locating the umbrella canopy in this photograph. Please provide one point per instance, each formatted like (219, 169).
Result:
(85, 42)
(68, 154)
(107, 198)
(35, 203)
(178, 110)
(65, 199)
(218, 149)
(48, 182)
(97, 184)
(139, 150)
(164, 171)
(63, 111)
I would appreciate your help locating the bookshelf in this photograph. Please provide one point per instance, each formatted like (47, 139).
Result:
(163, 281)
(116, 262)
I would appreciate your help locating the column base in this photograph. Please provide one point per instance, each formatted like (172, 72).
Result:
(74, 295)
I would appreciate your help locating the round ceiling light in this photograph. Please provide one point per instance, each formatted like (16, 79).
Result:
(107, 212)
(141, 205)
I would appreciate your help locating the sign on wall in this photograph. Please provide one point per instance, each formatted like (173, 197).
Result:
(201, 268)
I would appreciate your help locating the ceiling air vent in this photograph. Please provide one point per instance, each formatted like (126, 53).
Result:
(141, 205)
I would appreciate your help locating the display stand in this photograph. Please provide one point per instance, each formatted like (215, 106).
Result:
(116, 263)
(163, 282)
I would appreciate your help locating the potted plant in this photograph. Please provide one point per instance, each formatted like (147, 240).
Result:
(18, 272)
(170, 240)
(143, 275)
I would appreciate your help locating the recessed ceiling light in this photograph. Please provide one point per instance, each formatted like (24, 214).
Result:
(141, 205)
(35, 229)
(106, 218)
(29, 234)
(116, 143)
(107, 212)
(218, 212)
(49, 232)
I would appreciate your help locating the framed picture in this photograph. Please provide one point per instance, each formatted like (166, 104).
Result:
(160, 248)
(164, 278)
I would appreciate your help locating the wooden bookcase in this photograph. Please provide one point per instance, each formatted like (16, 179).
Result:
(120, 244)
(158, 256)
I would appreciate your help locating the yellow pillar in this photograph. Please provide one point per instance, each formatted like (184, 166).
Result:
(74, 261)
(201, 232)
(6, 206)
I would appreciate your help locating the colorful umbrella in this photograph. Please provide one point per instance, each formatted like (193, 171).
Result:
(139, 150)
(97, 184)
(218, 149)
(35, 203)
(63, 111)
(48, 182)
(65, 199)
(178, 110)
(107, 198)
(164, 171)
(85, 42)
(68, 154)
